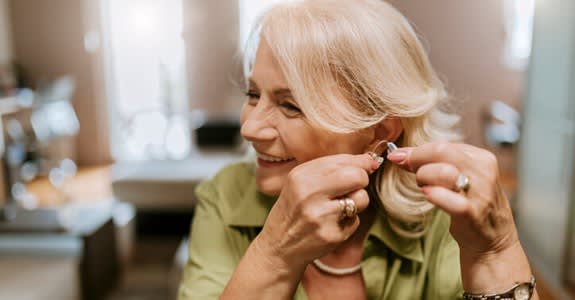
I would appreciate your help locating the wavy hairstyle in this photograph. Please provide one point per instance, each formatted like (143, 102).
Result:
(351, 64)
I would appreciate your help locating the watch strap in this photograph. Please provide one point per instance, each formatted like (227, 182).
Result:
(507, 295)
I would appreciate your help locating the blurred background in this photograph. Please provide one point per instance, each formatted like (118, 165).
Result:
(113, 110)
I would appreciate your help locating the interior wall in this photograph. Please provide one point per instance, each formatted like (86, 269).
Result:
(5, 34)
(211, 33)
(48, 41)
(465, 41)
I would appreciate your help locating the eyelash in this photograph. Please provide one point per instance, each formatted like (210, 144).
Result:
(285, 104)
(252, 95)
(290, 106)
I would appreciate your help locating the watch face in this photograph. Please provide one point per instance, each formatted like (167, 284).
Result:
(522, 292)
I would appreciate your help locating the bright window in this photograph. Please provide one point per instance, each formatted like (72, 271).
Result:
(519, 29)
(146, 79)
(250, 10)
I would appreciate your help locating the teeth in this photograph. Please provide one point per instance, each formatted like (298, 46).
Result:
(272, 158)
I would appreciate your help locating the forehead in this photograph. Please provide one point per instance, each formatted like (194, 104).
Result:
(267, 72)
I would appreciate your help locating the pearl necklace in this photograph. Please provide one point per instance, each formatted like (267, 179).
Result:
(336, 271)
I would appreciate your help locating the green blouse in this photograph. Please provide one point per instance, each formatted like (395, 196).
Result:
(231, 212)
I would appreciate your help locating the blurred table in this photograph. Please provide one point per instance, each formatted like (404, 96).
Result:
(91, 184)
(88, 224)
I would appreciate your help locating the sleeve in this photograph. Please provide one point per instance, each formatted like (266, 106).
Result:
(444, 278)
(214, 249)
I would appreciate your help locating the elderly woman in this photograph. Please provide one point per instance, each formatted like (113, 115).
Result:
(319, 215)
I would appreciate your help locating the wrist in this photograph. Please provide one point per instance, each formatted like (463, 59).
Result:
(494, 272)
(268, 257)
(262, 275)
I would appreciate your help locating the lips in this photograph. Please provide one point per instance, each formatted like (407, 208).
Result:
(273, 159)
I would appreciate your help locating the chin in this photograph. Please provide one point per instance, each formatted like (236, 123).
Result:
(270, 186)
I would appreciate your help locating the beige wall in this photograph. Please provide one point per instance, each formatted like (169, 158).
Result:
(48, 42)
(211, 33)
(5, 33)
(465, 39)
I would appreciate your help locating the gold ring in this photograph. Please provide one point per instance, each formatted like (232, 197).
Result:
(348, 208)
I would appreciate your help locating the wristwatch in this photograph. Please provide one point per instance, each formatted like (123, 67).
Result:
(520, 291)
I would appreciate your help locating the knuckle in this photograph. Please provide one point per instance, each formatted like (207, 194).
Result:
(311, 215)
(446, 171)
(329, 237)
(440, 148)
(300, 194)
(362, 195)
(491, 166)
(421, 174)
(490, 159)
(295, 182)
(475, 216)
(354, 176)
(361, 199)
(293, 176)
(467, 211)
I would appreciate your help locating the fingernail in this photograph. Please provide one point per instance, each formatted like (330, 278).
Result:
(397, 156)
(377, 160)
(425, 190)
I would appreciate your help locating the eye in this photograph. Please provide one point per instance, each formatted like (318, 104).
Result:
(290, 109)
(253, 96)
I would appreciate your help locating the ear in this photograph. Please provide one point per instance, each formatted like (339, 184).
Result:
(387, 130)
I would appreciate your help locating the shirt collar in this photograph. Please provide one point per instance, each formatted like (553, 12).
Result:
(410, 248)
(245, 212)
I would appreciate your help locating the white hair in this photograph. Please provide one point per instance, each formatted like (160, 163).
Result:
(364, 56)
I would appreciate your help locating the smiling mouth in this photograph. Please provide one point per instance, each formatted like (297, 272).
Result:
(273, 159)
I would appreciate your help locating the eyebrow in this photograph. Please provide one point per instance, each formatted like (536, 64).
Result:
(283, 93)
(280, 92)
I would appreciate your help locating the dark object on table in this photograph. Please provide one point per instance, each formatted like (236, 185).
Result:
(218, 134)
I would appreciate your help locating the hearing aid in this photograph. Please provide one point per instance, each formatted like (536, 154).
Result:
(380, 158)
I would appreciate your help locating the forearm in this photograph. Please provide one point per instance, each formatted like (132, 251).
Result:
(497, 272)
(261, 275)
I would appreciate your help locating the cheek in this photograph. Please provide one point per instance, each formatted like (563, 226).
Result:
(298, 141)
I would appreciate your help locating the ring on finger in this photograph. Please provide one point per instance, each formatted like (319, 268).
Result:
(462, 183)
(348, 207)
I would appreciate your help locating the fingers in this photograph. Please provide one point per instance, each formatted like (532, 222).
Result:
(412, 158)
(334, 211)
(439, 174)
(362, 161)
(339, 174)
(344, 181)
(359, 197)
(451, 202)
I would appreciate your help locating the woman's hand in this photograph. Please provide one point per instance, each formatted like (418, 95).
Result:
(306, 221)
(492, 258)
(482, 221)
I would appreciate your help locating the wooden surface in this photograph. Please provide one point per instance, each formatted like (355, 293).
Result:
(90, 184)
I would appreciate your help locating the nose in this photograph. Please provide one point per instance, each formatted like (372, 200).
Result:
(256, 126)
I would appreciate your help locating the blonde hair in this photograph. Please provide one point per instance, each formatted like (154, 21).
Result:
(364, 56)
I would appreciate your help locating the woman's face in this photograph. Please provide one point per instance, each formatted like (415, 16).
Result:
(280, 133)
